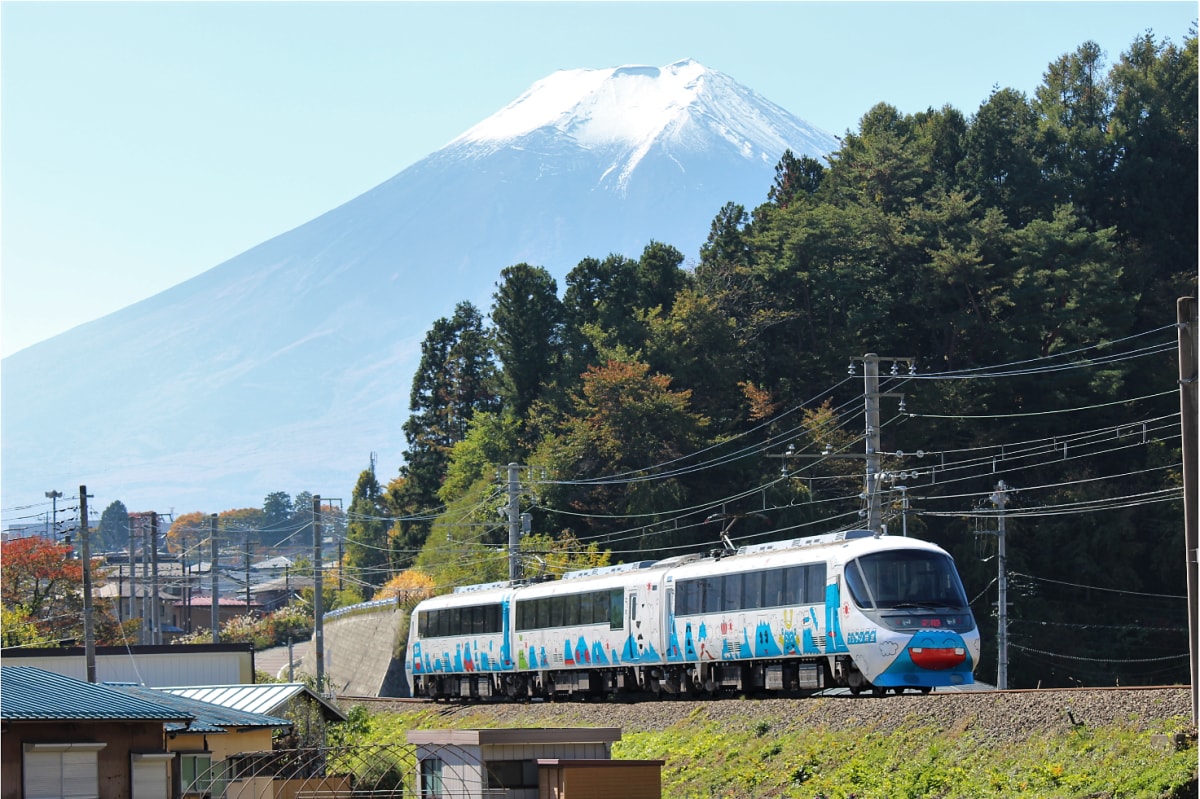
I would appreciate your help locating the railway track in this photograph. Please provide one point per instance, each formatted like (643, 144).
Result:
(982, 691)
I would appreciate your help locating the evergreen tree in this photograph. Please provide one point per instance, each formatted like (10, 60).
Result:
(278, 511)
(113, 533)
(368, 558)
(527, 319)
(455, 379)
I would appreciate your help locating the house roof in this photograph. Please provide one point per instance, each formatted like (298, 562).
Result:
(209, 718)
(277, 562)
(31, 694)
(258, 698)
(222, 602)
(515, 736)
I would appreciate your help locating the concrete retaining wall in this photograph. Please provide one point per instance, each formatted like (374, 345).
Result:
(360, 652)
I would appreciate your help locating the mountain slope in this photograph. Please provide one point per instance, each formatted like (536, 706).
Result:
(283, 368)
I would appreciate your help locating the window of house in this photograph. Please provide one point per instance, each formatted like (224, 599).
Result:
(195, 774)
(61, 771)
(431, 778)
(512, 774)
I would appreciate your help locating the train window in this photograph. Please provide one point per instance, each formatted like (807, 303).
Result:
(687, 597)
(731, 591)
(906, 578)
(794, 586)
(571, 617)
(599, 607)
(543, 613)
(586, 605)
(752, 590)
(815, 589)
(858, 586)
(713, 600)
(556, 611)
(616, 609)
(773, 584)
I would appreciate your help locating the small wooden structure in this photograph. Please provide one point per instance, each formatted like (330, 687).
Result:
(544, 763)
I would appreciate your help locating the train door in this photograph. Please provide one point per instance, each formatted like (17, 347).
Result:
(643, 622)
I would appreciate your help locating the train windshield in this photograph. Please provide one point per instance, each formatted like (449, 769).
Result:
(905, 578)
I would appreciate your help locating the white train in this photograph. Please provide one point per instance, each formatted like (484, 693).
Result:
(869, 612)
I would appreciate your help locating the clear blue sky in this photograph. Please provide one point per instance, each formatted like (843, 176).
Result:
(142, 143)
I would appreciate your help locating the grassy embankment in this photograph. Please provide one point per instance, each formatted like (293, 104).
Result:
(765, 757)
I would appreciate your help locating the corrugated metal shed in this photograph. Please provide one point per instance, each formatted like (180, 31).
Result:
(29, 694)
(209, 718)
(270, 698)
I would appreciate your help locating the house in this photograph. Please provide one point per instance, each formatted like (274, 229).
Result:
(295, 764)
(196, 613)
(549, 763)
(279, 591)
(204, 747)
(311, 712)
(66, 738)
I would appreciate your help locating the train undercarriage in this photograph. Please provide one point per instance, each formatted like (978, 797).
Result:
(696, 680)
(699, 680)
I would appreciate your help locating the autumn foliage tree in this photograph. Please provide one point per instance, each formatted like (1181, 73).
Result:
(41, 587)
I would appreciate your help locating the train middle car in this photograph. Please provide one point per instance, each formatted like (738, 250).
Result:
(868, 612)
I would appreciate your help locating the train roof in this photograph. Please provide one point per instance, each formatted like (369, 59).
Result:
(854, 540)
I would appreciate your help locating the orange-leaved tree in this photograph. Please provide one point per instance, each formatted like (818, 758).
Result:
(41, 588)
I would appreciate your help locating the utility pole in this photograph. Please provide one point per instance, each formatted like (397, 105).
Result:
(147, 606)
(52, 532)
(85, 552)
(514, 521)
(1000, 498)
(212, 571)
(155, 602)
(871, 395)
(246, 555)
(318, 610)
(1186, 312)
(132, 581)
(187, 582)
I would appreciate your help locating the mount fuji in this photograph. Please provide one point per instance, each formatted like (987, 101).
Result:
(287, 366)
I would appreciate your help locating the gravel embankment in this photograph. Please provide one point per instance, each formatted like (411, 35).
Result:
(994, 716)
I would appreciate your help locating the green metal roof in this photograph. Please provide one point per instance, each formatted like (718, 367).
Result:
(209, 717)
(256, 698)
(30, 694)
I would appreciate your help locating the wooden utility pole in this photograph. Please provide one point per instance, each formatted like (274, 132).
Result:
(212, 571)
(85, 553)
(318, 588)
(1186, 312)
(155, 599)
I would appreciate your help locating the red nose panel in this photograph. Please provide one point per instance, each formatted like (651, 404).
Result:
(937, 659)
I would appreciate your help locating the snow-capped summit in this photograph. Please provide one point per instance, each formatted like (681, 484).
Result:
(284, 367)
(625, 111)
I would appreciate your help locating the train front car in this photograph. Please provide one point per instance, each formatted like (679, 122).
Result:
(897, 617)
(459, 644)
